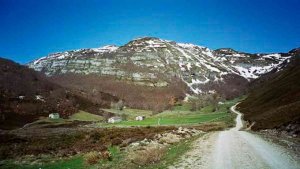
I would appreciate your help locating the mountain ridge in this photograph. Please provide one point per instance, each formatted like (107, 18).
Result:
(149, 37)
(152, 61)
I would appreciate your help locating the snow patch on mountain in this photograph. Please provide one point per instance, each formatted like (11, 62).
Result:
(189, 46)
(107, 48)
(183, 52)
(195, 65)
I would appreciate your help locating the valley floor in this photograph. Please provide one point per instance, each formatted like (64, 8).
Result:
(237, 149)
(59, 144)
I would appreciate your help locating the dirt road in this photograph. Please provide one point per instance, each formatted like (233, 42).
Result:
(237, 149)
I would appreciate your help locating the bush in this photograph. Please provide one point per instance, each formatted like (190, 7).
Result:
(149, 155)
(169, 138)
(119, 105)
(106, 155)
(92, 157)
(124, 116)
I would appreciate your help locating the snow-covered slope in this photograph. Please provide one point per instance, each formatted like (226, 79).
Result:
(153, 61)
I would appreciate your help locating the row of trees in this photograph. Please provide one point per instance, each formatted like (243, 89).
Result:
(198, 102)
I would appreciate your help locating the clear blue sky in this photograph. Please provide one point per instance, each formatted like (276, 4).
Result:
(30, 29)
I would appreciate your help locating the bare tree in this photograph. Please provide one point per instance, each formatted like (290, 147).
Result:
(124, 116)
(106, 116)
(215, 98)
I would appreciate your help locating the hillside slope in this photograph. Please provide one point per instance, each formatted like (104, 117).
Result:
(152, 98)
(26, 95)
(276, 100)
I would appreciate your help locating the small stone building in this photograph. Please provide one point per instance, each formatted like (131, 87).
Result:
(54, 116)
(140, 118)
(114, 119)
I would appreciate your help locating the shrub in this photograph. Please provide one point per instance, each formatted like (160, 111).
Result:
(116, 141)
(119, 105)
(92, 157)
(124, 116)
(169, 138)
(149, 155)
(106, 155)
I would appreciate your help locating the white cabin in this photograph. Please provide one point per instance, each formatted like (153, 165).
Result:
(114, 119)
(54, 116)
(140, 118)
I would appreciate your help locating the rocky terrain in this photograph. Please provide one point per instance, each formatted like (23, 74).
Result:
(154, 62)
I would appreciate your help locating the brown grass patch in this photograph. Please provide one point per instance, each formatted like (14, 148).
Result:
(67, 141)
(92, 157)
(149, 155)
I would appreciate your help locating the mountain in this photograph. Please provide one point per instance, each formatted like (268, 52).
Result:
(274, 101)
(25, 95)
(153, 64)
(151, 61)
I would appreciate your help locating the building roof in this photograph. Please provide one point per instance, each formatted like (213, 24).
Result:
(116, 118)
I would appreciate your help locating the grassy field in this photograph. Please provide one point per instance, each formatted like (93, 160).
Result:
(131, 113)
(80, 116)
(45, 121)
(169, 120)
(74, 162)
(85, 116)
(180, 115)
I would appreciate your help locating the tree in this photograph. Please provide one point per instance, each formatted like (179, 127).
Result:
(106, 116)
(193, 103)
(124, 116)
(215, 98)
(198, 102)
(119, 105)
